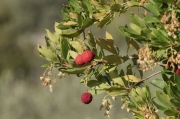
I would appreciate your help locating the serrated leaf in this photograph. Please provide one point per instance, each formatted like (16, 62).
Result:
(115, 59)
(105, 45)
(131, 78)
(73, 54)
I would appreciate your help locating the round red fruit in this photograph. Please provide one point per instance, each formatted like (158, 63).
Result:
(87, 56)
(86, 98)
(78, 60)
(178, 71)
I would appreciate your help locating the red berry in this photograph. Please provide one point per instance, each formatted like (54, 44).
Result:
(87, 56)
(78, 60)
(86, 98)
(178, 71)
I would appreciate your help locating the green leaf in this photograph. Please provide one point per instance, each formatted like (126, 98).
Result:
(91, 39)
(96, 91)
(76, 45)
(87, 22)
(175, 102)
(63, 27)
(115, 59)
(93, 83)
(158, 83)
(136, 28)
(170, 112)
(49, 44)
(73, 54)
(73, 71)
(115, 91)
(75, 5)
(137, 99)
(64, 47)
(132, 43)
(140, 92)
(168, 1)
(138, 21)
(151, 19)
(48, 54)
(73, 34)
(132, 3)
(152, 8)
(53, 36)
(131, 78)
(177, 80)
(88, 5)
(147, 92)
(105, 20)
(116, 7)
(160, 35)
(164, 99)
(160, 107)
(105, 45)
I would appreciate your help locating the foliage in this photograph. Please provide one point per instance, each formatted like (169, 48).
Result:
(154, 35)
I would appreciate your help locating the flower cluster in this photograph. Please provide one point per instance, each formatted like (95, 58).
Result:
(48, 77)
(146, 59)
(172, 24)
(106, 103)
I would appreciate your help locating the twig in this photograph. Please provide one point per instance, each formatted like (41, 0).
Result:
(145, 79)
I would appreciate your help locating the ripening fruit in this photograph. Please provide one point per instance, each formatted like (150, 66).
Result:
(87, 56)
(178, 71)
(78, 60)
(86, 98)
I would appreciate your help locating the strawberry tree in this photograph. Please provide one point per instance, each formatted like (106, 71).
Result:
(154, 34)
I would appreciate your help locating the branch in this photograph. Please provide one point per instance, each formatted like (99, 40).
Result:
(145, 79)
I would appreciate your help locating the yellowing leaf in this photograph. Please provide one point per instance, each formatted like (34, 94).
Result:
(132, 78)
(109, 38)
(73, 54)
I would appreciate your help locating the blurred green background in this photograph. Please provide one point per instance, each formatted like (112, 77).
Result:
(22, 96)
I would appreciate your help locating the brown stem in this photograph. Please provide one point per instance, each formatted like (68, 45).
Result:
(145, 79)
